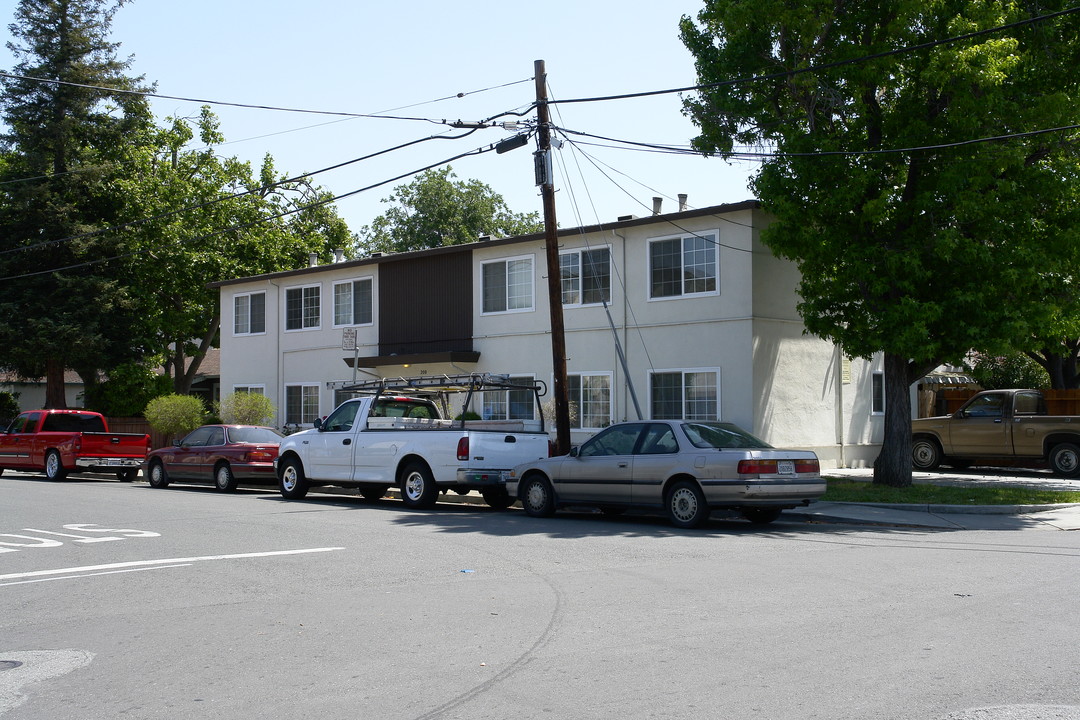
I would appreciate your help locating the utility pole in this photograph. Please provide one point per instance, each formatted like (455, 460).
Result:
(554, 274)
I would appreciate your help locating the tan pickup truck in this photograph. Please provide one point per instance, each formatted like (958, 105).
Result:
(1009, 427)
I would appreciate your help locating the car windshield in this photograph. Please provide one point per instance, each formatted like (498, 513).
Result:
(253, 435)
(721, 436)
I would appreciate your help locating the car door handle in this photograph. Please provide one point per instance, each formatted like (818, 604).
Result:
(347, 441)
(510, 439)
(622, 464)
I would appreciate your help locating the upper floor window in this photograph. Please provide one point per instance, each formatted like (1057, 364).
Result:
(685, 395)
(302, 308)
(586, 276)
(682, 266)
(507, 285)
(353, 302)
(249, 313)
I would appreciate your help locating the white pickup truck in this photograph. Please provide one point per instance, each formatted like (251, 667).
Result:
(395, 434)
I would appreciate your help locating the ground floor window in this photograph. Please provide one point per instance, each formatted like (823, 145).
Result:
(510, 404)
(301, 404)
(590, 394)
(251, 389)
(685, 395)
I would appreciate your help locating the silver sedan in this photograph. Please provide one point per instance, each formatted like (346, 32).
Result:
(685, 467)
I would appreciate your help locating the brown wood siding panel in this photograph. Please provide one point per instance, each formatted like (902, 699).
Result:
(425, 304)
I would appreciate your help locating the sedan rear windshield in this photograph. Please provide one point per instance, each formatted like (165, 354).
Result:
(722, 436)
(254, 435)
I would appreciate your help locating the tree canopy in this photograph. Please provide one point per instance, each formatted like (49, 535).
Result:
(435, 210)
(915, 236)
(194, 218)
(59, 144)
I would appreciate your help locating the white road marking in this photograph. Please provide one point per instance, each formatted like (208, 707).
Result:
(167, 561)
(107, 572)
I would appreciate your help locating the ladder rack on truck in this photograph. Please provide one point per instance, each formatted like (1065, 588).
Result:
(442, 386)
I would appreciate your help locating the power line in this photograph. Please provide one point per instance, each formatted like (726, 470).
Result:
(826, 66)
(225, 103)
(251, 191)
(749, 155)
(243, 226)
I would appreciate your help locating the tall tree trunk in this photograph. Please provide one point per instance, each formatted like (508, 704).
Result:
(55, 392)
(893, 464)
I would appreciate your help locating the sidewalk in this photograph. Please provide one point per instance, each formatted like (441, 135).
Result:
(954, 517)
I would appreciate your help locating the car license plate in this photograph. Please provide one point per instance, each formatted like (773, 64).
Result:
(116, 462)
(785, 467)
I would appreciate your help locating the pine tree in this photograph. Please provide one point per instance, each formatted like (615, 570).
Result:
(70, 111)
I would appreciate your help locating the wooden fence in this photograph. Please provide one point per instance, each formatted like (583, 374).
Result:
(139, 425)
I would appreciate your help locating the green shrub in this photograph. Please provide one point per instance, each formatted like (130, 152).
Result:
(242, 408)
(9, 407)
(175, 415)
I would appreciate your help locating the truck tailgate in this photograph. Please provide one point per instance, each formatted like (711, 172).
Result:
(494, 450)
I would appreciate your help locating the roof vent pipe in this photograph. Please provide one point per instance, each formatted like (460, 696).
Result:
(682, 202)
(339, 255)
(312, 259)
(656, 203)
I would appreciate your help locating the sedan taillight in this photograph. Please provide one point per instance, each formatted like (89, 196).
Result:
(260, 455)
(757, 467)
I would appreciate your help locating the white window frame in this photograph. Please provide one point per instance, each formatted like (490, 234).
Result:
(580, 403)
(684, 402)
(304, 387)
(877, 392)
(257, 388)
(506, 264)
(248, 295)
(370, 279)
(285, 309)
(581, 276)
(711, 238)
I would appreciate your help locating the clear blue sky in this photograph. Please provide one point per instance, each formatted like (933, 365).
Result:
(369, 57)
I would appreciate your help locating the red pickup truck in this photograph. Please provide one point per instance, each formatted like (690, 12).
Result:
(64, 441)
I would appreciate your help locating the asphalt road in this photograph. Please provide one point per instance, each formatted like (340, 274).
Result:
(121, 601)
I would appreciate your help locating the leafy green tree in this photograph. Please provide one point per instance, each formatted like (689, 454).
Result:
(243, 408)
(436, 210)
(1012, 370)
(59, 144)
(9, 407)
(128, 389)
(911, 240)
(175, 415)
(197, 218)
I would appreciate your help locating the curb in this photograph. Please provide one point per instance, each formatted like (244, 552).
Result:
(961, 509)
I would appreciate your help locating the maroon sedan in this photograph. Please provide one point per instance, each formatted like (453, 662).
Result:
(224, 455)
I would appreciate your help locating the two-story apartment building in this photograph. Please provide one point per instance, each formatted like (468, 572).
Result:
(704, 314)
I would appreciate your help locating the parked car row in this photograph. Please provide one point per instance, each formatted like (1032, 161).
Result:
(383, 439)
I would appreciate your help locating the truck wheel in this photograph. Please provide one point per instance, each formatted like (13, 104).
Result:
(158, 478)
(224, 480)
(537, 496)
(292, 483)
(1065, 460)
(54, 467)
(686, 506)
(925, 454)
(497, 498)
(418, 486)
